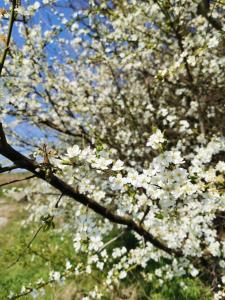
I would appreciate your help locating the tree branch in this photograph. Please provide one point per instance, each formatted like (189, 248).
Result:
(22, 161)
(8, 168)
(203, 9)
(11, 22)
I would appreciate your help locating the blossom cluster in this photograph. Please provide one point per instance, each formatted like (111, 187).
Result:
(129, 95)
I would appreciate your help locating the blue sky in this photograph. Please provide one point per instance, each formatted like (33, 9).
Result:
(24, 130)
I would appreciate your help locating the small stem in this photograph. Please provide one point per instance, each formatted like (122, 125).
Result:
(11, 22)
(17, 180)
(27, 247)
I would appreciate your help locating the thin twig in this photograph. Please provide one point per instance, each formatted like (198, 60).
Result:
(27, 247)
(11, 22)
(17, 180)
(145, 215)
(30, 290)
(33, 238)
(57, 203)
(111, 241)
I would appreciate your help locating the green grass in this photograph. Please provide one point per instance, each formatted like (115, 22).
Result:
(48, 252)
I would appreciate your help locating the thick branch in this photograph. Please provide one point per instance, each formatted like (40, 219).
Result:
(22, 161)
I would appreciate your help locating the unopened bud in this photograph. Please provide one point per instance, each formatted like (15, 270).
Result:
(2, 12)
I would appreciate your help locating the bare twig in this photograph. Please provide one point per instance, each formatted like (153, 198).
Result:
(65, 274)
(30, 290)
(111, 241)
(145, 215)
(57, 203)
(17, 180)
(33, 238)
(11, 22)
(27, 247)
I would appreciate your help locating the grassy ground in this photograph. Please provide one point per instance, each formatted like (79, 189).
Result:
(48, 251)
